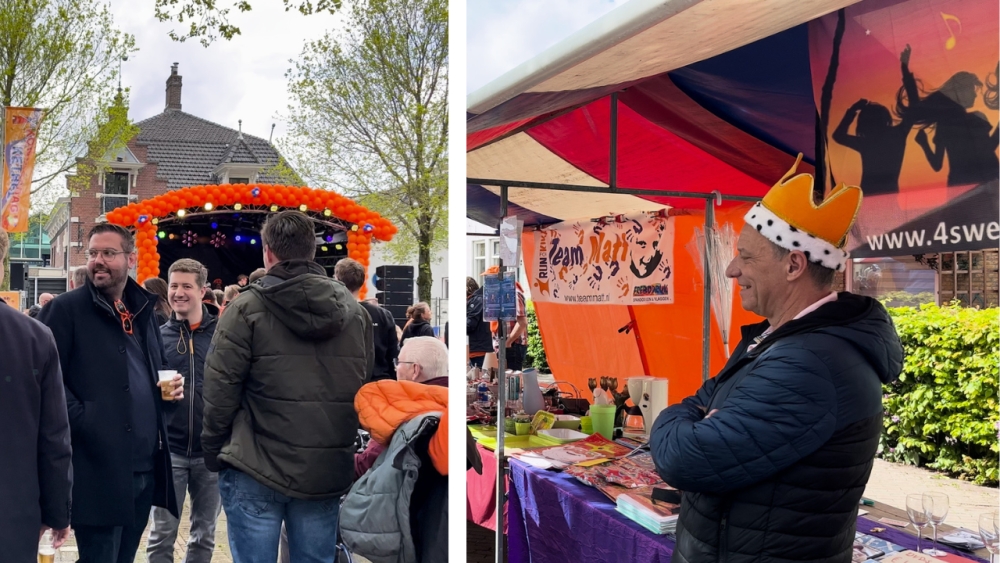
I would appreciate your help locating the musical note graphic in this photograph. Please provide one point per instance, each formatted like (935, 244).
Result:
(949, 44)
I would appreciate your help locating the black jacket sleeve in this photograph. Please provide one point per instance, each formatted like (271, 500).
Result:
(55, 469)
(58, 318)
(390, 338)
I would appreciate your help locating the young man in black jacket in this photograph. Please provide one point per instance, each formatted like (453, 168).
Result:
(110, 350)
(36, 475)
(352, 274)
(186, 339)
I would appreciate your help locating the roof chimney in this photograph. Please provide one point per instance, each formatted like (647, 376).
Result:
(173, 89)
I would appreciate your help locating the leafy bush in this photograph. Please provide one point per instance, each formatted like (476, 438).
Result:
(536, 350)
(943, 412)
(905, 299)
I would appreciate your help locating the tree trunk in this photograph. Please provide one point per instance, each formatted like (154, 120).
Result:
(5, 286)
(424, 277)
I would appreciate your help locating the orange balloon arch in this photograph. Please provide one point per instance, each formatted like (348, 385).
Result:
(144, 216)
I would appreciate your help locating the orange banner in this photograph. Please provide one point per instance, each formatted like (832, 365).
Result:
(12, 298)
(20, 130)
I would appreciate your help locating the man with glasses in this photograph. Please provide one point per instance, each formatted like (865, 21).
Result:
(110, 350)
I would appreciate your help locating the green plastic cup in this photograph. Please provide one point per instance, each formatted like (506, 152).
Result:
(586, 425)
(523, 428)
(603, 417)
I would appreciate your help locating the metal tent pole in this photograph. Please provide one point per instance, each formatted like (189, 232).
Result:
(501, 400)
(706, 303)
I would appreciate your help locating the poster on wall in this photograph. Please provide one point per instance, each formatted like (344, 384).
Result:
(11, 298)
(627, 260)
(19, 133)
(909, 92)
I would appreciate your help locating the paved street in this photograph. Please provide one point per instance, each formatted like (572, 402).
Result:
(889, 483)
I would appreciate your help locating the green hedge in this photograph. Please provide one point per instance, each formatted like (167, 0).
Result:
(536, 351)
(943, 412)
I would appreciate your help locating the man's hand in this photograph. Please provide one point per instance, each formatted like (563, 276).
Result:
(710, 413)
(59, 537)
(178, 383)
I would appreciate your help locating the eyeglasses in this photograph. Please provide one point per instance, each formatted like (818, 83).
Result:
(107, 254)
(398, 363)
(125, 316)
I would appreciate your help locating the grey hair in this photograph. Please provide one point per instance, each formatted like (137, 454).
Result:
(430, 353)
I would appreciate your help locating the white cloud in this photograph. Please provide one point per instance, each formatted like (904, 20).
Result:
(504, 34)
(230, 80)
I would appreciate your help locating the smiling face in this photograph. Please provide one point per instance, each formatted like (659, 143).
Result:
(645, 250)
(761, 275)
(109, 273)
(184, 293)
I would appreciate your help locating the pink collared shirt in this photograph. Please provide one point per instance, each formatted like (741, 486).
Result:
(827, 299)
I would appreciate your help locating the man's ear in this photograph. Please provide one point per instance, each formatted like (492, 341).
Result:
(797, 265)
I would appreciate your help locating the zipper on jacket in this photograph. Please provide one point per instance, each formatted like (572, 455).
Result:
(191, 395)
(723, 535)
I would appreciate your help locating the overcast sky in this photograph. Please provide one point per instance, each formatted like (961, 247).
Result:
(229, 80)
(504, 33)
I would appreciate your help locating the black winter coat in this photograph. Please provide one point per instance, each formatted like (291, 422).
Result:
(776, 474)
(35, 476)
(416, 328)
(94, 363)
(185, 351)
(385, 340)
(478, 330)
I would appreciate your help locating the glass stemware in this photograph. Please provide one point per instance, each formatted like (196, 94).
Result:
(917, 514)
(989, 532)
(936, 506)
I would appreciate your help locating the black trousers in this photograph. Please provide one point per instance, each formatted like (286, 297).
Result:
(515, 356)
(118, 544)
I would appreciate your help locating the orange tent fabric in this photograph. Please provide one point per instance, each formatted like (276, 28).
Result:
(583, 341)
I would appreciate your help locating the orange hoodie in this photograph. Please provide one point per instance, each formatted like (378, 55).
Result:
(384, 405)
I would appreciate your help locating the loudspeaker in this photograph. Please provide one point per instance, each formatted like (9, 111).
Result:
(397, 272)
(398, 313)
(390, 298)
(18, 275)
(394, 285)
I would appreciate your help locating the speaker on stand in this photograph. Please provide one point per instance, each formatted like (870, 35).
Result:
(395, 290)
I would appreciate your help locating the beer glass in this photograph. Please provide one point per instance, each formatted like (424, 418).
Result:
(46, 551)
(167, 384)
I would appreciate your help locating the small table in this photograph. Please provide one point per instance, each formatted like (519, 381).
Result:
(552, 518)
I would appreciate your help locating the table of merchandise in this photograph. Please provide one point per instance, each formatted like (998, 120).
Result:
(553, 518)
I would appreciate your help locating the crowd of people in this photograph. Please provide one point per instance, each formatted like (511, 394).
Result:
(129, 398)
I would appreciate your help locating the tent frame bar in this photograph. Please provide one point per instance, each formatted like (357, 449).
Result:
(599, 190)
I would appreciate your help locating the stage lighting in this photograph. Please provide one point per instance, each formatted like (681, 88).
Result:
(238, 206)
(253, 241)
(339, 247)
(161, 234)
(239, 238)
(215, 225)
(327, 212)
(303, 208)
(155, 221)
(274, 207)
(324, 248)
(181, 212)
(208, 206)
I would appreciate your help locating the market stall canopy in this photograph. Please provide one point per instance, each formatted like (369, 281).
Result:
(717, 96)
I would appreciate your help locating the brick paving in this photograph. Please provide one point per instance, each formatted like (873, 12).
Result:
(889, 483)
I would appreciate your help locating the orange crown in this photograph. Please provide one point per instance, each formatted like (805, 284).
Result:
(792, 200)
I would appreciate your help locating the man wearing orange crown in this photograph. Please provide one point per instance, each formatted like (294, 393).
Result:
(773, 453)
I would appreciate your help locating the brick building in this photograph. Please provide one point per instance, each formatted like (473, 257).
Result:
(173, 150)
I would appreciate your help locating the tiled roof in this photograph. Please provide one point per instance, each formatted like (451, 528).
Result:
(187, 149)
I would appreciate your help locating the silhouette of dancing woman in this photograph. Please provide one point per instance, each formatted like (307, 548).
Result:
(964, 137)
(880, 143)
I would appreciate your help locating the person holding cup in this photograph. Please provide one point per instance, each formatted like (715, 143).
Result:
(187, 337)
(110, 350)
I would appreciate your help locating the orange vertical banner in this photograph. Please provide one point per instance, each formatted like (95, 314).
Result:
(20, 128)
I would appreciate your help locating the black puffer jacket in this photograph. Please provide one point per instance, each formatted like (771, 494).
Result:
(287, 359)
(478, 330)
(185, 351)
(777, 472)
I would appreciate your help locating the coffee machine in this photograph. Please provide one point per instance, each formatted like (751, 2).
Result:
(650, 395)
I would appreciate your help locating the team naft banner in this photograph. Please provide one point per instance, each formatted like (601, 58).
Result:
(627, 260)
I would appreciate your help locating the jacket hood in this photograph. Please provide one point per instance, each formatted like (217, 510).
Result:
(861, 322)
(300, 295)
(383, 406)
(208, 319)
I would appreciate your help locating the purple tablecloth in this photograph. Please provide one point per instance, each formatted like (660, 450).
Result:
(553, 518)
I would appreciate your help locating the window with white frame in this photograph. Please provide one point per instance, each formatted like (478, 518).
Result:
(116, 190)
(479, 260)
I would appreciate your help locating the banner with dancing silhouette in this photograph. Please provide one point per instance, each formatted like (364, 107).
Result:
(625, 260)
(907, 98)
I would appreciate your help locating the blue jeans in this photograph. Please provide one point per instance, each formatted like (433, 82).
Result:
(254, 514)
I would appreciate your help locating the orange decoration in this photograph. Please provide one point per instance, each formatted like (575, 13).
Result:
(224, 196)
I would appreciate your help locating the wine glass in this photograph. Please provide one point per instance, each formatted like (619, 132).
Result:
(989, 533)
(917, 514)
(936, 506)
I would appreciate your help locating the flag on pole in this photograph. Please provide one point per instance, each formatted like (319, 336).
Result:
(20, 128)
